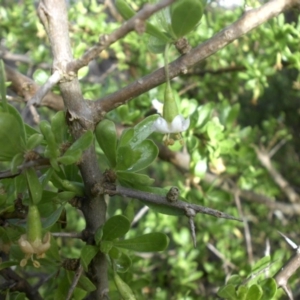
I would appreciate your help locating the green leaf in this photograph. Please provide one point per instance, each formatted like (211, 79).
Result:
(185, 15)
(156, 45)
(29, 131)
(261, 264)
(16, 114)
(142, 130)
(52, 219)
(232, 115)
(125, 137)
(8, 264)
(151, 242)
(129, 179)
(59, 126)
(71, 186)
(88, 252)
(80, 144)
(228, 292)
(137, 158)
(2, 86)
(34, 140)
(53, 253)
(34, 186)
(79, 294)
(16, 161)
(235, 280)
(106, 136)
(255, 292)
(68, 159)
(269, 286)
(85, 284)
(204, 114)
(52, 149)
(10, 137)
(123, 288)
(155, 32)
(65, 196)
(21, 296)
(98, 235)
(123, 262)
(106, 246)
(115, 227)
(62, 289)
(242, 292)
(129, 211)
(124, 9)
(114, 252)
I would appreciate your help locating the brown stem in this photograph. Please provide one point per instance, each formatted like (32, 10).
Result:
(286, 188)
(27, 88)
(53, 14)
(179, 206)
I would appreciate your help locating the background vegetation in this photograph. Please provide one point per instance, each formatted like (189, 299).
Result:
(240, 156)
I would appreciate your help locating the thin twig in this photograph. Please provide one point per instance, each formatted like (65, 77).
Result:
(37, 164)
(45, 88)
(107, 40)
(277, 147)
(283, 184)
(178, 207)
(75, 235)
(76, 278)
(34, 113)
(214, 250)
(27, 88)
(246, 227)
(139, 215)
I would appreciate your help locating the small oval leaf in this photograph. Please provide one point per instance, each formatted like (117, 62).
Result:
(10, 137)
(151, 242)
(106, 136)
(115, 227)
(88, 252)
(80, 144)
(129, 179)
(34, 186)
(137, 158)
(185, 15)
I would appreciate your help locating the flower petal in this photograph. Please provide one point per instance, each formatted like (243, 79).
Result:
(178, 125)
(157, 105)
(161, 125)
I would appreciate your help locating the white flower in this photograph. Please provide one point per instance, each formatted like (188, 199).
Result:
(174, 128)
(178, 125)
(38, 247)
(157, 105)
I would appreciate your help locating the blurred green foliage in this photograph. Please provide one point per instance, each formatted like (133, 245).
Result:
(244, 95)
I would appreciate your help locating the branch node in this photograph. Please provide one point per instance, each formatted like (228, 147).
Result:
(173, 194)
(139, 26)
